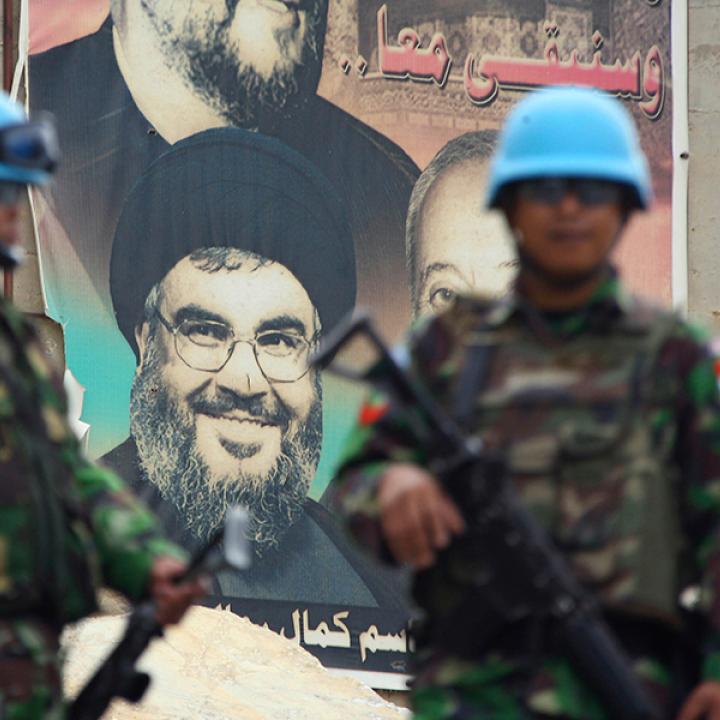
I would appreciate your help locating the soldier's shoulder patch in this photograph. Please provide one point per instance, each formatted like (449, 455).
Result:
(372, 410)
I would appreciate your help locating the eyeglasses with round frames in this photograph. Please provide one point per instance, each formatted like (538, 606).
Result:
(207, 345)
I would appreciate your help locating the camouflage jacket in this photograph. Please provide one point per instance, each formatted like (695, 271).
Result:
(611, 423)
(66, 525)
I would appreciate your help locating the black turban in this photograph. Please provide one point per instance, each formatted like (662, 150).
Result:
(233, 188)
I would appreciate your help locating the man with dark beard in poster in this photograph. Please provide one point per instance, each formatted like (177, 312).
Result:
(231, 255)
(158, 71)
(218, 420)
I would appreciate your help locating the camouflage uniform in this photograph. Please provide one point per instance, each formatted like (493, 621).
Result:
(611, 424)
(66, 526)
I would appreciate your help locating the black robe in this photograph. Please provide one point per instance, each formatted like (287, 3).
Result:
(317, 576)
(316, 562)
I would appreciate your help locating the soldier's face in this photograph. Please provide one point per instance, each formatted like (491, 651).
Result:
(461, 248)
(565, 240)
(242, 50)
(238, 416)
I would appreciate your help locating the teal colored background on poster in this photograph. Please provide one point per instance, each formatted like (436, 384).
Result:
(101, 361)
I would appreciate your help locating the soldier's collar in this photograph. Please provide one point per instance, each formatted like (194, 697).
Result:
(610, 300)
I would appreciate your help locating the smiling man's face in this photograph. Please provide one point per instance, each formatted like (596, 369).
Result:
(206, 437)
(235, 52)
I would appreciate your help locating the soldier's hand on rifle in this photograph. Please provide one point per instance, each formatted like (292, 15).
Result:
(172, 599)
(417, 516)
(704, 702)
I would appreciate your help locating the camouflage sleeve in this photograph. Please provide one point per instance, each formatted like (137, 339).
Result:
(388, 432)
(698, 455)
(381, 436)
(126, 535)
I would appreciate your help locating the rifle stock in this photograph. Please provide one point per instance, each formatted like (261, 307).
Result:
(118, 676)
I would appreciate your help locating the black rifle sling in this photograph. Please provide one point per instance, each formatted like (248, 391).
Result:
(472, 379)
(481, 619)
(591, 648)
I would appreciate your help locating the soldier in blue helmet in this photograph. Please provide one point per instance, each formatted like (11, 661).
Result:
(28, 155)
(606, 411)
(66, 526)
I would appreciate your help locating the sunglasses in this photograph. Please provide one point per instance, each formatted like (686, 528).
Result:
(32, 145)
(588, 191)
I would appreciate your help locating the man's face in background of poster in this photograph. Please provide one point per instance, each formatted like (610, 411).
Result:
(238, 54)
(454, 245)
(209, 439)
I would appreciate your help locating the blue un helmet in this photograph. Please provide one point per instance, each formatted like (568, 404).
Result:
(28, 148)
(570, 132)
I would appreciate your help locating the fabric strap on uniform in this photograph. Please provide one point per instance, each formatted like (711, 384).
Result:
(472, 378)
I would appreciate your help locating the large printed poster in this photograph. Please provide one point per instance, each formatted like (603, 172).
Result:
(240, 175)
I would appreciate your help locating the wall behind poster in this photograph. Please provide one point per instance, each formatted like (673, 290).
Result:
(402, 69)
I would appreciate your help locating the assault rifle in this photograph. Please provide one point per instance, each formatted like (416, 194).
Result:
(118, 676)
(503, 578)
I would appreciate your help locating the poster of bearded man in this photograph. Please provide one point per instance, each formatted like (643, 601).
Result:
(369, 94)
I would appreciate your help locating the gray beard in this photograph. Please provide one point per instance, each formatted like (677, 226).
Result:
(233, 88)
(171, 461)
